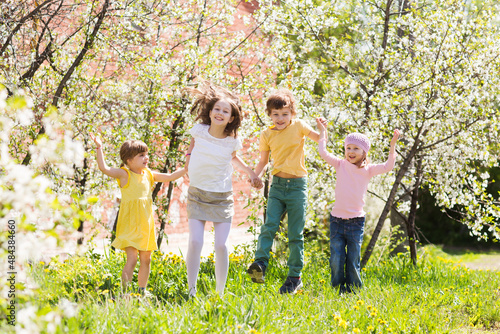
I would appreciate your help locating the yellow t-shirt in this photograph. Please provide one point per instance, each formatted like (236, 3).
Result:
(287, 147)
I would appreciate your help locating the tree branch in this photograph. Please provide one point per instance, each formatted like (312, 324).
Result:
(88, 44)
(21, 22)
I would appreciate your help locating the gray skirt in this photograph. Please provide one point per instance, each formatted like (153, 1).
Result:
(212, 206)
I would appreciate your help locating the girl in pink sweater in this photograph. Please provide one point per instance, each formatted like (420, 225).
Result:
(347, 217)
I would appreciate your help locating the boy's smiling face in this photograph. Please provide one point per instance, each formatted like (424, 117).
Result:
(281, 118)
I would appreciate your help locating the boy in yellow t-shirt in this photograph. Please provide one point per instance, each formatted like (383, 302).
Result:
(284, 141)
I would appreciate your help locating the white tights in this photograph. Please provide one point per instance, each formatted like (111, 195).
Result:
(196, 231)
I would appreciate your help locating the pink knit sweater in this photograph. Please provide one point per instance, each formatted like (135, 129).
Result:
(352, 182)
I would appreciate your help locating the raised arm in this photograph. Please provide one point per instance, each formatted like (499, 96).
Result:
(241, 165)
(321, 122)
(116, 173)
(314, 136)
(391, 160)
(394, 141)
(323, 138)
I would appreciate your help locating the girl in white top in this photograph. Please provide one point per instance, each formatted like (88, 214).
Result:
(212, 151)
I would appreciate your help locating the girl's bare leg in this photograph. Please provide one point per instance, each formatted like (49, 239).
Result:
(128, 270)
(144, 268)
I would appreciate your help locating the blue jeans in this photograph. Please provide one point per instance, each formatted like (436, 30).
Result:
(288, 195)
(346, 234)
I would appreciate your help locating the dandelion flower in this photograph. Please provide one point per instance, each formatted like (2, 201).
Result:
(356, 330)
(414, 311)
(370, 328)
(360, 302)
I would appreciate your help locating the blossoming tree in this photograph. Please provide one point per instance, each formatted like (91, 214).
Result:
(426, 67)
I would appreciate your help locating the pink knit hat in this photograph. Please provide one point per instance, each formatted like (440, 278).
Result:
(359, 140)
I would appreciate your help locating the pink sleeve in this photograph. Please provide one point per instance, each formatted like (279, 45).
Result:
(383, 168)
(330, 158)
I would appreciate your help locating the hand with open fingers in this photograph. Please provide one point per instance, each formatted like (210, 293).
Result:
(395, 137)
(96, 140)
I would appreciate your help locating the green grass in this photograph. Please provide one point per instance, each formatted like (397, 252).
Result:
(438, 296)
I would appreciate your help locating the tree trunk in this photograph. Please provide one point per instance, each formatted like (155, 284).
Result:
(89, 42)
(392, 194)
(399, 235)
(173, 147)
(412, 238)
(81, 176)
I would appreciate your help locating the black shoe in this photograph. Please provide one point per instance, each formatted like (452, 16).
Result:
(257, 272)
(291, 285)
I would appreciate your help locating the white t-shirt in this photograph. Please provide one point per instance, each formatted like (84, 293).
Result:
(210, 166)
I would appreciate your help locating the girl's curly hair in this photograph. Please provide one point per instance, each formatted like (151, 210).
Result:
(206, 95)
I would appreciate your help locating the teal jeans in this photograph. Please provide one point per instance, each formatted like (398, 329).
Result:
(286, 195)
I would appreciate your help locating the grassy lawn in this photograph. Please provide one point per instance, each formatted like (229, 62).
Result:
(439, 296)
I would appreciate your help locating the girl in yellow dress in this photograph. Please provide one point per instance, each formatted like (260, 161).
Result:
(135, 230)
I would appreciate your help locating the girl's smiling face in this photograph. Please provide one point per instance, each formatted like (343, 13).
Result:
(281, 118)
(221, 113)
(354, 154)
(139, 162)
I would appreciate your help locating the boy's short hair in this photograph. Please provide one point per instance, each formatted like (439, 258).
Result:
(280, 99)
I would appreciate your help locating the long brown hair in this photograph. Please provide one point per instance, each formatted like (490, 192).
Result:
(206, 95)
(130, 149)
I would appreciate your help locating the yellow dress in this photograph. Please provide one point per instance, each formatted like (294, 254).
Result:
(136, 225)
